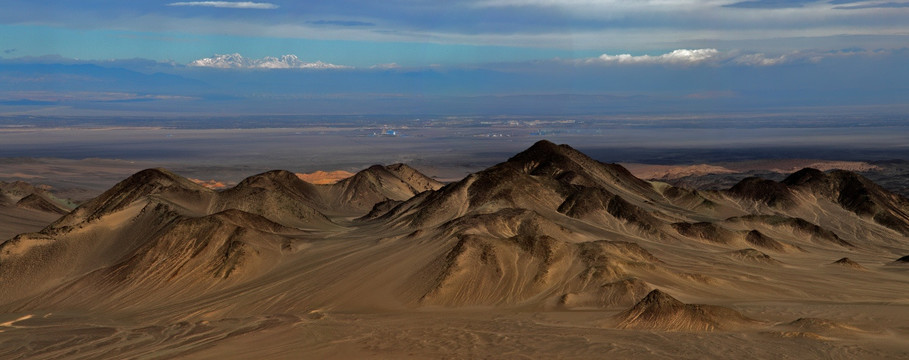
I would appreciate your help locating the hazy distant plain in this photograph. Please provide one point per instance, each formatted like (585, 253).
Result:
(95, 153)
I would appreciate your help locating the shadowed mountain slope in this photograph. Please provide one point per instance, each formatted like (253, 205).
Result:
(545, 178)
(847, 190)
(139, 187)
(377, 184)
(27, 196)
(25, 207)
(660, 311)
(855, 193)
(41, 203)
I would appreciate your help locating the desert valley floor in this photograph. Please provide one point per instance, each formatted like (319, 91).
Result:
(548, 254)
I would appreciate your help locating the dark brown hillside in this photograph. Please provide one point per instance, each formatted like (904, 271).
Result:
(134, 188)
(764, 191)
(705, 231)
(281, 181)
(799, 227)
(190, 256)
(545, 177)
(377, 184)
(848, 263)
(413, 178)
(569, 166)
(855, 193)
(660, 311)
(40, 203)
(754, 256)
(758, 239)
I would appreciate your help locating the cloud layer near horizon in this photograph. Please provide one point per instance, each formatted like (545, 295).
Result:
(237, 61)
(674, 81)
(227, 4)
(676, 57)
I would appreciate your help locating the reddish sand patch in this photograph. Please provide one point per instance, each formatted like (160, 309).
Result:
(325, 177)
(211, 184)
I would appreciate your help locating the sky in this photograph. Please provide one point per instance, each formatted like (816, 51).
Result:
(460, 57)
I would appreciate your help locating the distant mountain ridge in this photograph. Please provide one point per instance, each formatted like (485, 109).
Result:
(27, 196)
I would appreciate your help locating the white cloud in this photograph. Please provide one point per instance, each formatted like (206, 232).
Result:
(237, 61)
(760, 60)
(227, 4)
(676, 57)
(388, 66)
(682, 57)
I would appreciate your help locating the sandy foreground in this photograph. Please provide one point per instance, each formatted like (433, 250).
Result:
(879, 333)
(857, 314)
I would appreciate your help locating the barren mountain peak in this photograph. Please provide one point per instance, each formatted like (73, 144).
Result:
(855, 193)
(154, 176)
(849, 263)
(400, 166)
(658, 298)
(754, 255)
(41, 203)
(157, 177)
(570, 166)
(803, 176)
(845, 260)
(545, 150)
(658, 310)
(272, 176)
(762, 190)
(134, 188)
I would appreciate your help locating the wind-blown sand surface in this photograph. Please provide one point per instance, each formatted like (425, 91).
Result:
(429, 335)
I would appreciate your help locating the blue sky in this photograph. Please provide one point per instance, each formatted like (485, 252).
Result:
(721, 54)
